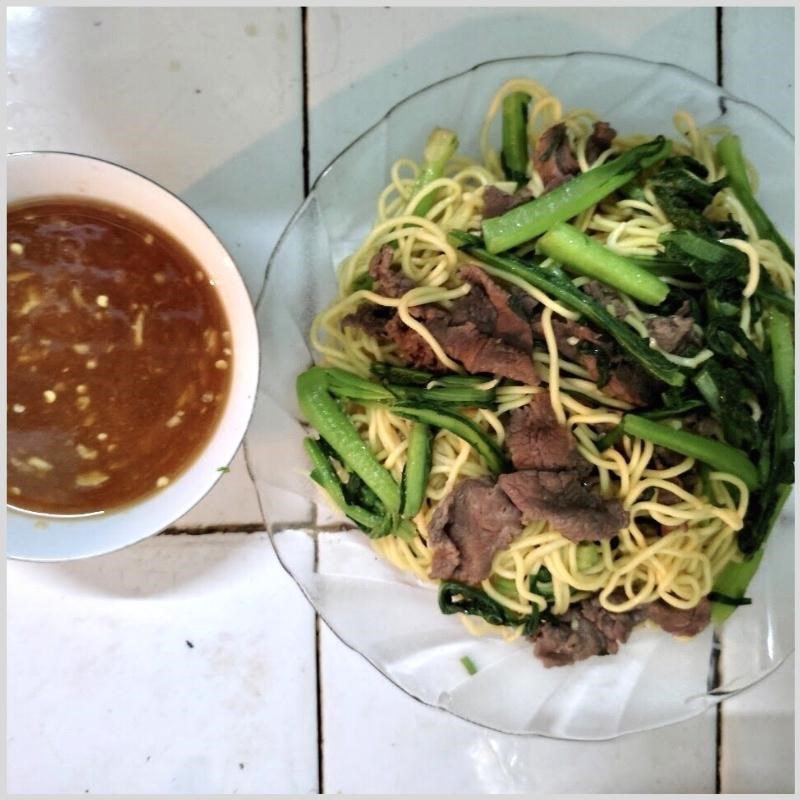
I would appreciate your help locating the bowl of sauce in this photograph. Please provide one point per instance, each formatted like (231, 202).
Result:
(132, 357)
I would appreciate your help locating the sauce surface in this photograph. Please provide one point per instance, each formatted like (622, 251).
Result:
(119, 357)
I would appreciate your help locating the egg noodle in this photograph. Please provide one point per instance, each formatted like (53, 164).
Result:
(699, 529)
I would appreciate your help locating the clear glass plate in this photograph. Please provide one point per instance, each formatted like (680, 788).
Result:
(391, 618)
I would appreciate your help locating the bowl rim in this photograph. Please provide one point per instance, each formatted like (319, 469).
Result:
(709, 699)
(248, 390)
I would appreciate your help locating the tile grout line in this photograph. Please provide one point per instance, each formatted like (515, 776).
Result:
(718, 664)
(304, 69)
(306, 187)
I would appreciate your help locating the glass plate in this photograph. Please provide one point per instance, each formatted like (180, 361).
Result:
(388, 616)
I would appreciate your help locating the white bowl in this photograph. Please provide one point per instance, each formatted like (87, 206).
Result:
(48, 537)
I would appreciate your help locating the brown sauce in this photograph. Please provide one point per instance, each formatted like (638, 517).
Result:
(119, 357)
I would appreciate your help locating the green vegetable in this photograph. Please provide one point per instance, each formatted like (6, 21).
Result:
(349, 385)
(729, 152)
(736, 576)
(587, 555)
(408, 376)
(779, 329)
(440, 148)
(527, 221)
(324, 414)
(683, 194)
(609, 439)
(418, 468)
(469, 665)
(362, 281)
(716, 454)
(462, 427)
(575, 250)
(553, 281)
(704, 256)
(459, 598)
(325, 475)
(515, 136)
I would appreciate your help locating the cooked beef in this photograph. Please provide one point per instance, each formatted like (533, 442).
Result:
(607, 297)
(508, 325)
(565, 502)
(480, 353)
(483, 330)
(485, 333)
(569, 336)
(468, 527)
(680, 621)
(626, 381)
(371, 319)
(389, 280)
(670, 333)
(553, 157)
(599, 141)
(535, 440)
(496, 202)
(586, 630)
(411, 348)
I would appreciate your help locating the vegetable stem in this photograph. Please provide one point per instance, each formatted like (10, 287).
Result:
(574, 249)
(440, 148)
(527, 221)
(462, 427)
(716, 454)
(729, 152)
(324, 414)
(515, 136)
(418, 468)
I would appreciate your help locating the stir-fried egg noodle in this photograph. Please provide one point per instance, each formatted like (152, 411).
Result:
(699, 531)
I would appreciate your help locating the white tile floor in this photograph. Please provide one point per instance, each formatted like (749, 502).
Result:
(104, 692)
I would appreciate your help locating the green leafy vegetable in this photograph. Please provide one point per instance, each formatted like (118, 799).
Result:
(729, 152)
(440, 148)
(469, 665)
(575, 250)
(324, 414)
(527, 221)
(716, 454)
(462, 427)
(514, 154)
(683, 194)
(418, 468)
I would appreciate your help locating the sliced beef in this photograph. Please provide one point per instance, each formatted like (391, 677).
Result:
(411, 348)
(468, 527)
(595, 352)
(565, 502)
(485, 333)
(586, 630)
(627, 381)
(496, 202)
(507, 324)
(480, 353)
(599, 141)
(389, 280)
(553, 157)
(486, 330)
(372, 319)
(535, 440)
(607, 297)
(680, 621)
(671, 334)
